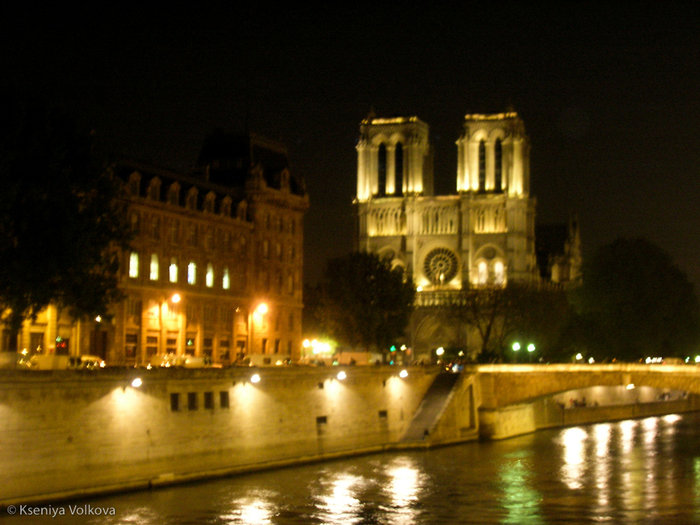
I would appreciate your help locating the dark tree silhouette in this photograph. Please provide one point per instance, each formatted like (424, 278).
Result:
(363, 303)
(62, 222)
(635, 302)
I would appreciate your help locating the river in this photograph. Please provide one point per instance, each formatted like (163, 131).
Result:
(634, 471)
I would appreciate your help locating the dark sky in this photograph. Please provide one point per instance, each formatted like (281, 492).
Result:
(609, 96)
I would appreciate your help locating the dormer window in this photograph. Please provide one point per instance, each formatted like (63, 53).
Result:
(174, 194)
(209, 202)
(191, 202)
(226, 206)
(135, 183)
(154, 189)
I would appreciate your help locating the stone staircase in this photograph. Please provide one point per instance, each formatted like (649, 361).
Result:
(431, 408)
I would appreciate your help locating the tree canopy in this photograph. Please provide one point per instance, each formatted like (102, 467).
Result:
(362, 302)
(635, 302)
(61, 220)
(519, 311)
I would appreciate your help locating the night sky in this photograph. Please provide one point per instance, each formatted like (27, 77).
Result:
(609, 96)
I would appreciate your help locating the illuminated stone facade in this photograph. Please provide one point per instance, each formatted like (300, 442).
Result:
(484, 234)
(216, 266)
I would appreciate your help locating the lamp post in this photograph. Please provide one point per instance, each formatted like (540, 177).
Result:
(516, 348)
(530, 350)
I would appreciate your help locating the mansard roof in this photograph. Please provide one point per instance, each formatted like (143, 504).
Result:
(228, 158)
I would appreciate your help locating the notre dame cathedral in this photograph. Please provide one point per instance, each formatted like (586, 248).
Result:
(484, 234)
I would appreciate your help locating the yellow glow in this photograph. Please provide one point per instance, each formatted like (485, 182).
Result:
(404, 488)
(255, 378)
(341, 505)
(627, 435)
(262, 309)
(175, 298)
(98, 319)
(137, 382)
(602, 439)
(440, 351)
(492, 116)
(574, 440)
(403, 374)
(342, 375)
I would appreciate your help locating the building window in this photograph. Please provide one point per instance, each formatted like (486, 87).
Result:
(134, 265)
(398, 172)
(225, 280)
(499, 273)
(153, 275)
(223, 399)
(172, 270)
(209, 277)
(482, 166)
(498, 166)
(174, 402)
(174, 194)
(381, 174)
(191, 273)
(483, 275)
(155, 228)
(209, 400)
(192, 400)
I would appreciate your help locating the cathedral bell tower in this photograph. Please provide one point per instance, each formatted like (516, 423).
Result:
(394, 158)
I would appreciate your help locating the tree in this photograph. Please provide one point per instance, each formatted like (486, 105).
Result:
(363, 302)
(635, 302)
(519, 311)
(62, 222)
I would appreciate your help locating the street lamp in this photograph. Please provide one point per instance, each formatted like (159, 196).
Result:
(516, 348)
(530, 350)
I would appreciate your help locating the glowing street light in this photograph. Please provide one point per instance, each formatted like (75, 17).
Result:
(136, 383)
(255, 378)
(175, 298)
(440, 351)
(341, 375)
(403, 374)
(531, 347)
(516, 346)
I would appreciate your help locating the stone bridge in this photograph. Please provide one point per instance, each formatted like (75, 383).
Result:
(504, 385)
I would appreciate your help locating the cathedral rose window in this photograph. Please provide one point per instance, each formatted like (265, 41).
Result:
(440, 265)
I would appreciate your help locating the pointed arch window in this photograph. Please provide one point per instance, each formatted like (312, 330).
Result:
(381, 174)
(482, 166)
(498, 166)
(398, 172)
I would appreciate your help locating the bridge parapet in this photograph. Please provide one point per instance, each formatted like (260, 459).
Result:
(504, 385)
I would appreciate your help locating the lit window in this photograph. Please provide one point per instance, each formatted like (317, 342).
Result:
(209, 278)
(192, 273)
(499, 274)
(154, 267)
(134, 265)
(483, 273)
(226, 280)
(172, 270)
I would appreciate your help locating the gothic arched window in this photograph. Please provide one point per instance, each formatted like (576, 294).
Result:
(482, 166)
(381, 174)
(498, 166)
(398, 172)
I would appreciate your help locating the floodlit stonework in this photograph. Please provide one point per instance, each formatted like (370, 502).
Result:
(483, 234)
(215, 273)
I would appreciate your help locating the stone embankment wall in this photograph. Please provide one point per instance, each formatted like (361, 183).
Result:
(68, 433)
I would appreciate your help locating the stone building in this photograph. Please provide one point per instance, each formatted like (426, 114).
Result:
(483, 234)
(216, 266)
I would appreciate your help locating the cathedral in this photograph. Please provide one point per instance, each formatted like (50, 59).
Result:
(483, 234)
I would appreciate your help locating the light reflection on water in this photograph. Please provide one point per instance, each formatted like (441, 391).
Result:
(641, 471)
